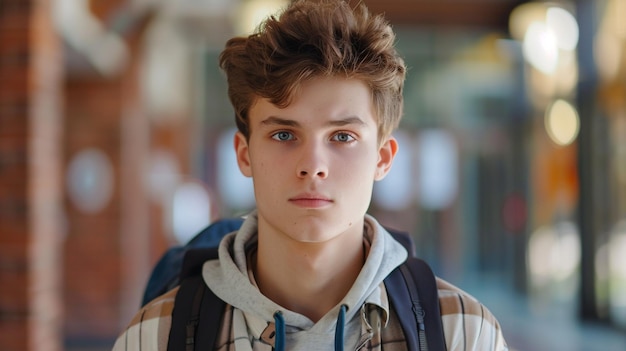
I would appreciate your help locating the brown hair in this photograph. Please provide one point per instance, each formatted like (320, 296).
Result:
(311, 39)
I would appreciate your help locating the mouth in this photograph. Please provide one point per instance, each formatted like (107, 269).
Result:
(311, 201)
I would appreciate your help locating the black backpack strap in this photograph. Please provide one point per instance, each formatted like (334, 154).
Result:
(196, 307)
(412, 290)
(212, 312)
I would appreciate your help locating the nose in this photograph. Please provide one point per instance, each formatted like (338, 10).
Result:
(304, 173)
(312, 162)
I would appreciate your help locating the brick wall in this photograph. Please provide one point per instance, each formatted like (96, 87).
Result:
(91, 280)
(14, 54)
(30, 201)
(108, 254)
(69, 279)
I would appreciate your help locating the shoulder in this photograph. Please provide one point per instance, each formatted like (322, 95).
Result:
(454, 301)
(466, 321)
(149, 329)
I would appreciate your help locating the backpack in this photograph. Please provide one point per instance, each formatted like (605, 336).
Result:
(166, 273)
(410, 287)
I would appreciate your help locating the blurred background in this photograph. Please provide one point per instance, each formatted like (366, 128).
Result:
(116, 134)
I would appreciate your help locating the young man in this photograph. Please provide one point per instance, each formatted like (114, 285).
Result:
(317, 94)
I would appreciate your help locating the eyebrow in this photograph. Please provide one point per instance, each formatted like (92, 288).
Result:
(273, 120)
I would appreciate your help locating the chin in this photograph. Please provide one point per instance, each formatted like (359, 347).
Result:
(316, 231)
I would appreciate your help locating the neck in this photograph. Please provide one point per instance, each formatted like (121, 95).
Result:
(308, 278)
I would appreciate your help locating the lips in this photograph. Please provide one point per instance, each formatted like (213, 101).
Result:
(310, 200)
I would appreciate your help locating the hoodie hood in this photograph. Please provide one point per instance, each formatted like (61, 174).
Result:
(230, 279)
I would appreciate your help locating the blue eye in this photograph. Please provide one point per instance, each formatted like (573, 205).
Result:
(343, 137)
(282, 136)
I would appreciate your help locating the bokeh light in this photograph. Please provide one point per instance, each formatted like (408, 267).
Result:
(252, 13)
(540, 47)
(191, 211)
(617, 268)
(553, 253)
(562, 122)
(565, 27)
(437, 165)
(547, 33)
(90, 180)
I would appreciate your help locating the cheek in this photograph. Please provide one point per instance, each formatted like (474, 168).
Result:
(267, 173)
(357, 173)
(364, 162)
(261, 160)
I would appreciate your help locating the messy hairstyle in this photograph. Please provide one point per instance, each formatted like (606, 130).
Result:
(310, 39)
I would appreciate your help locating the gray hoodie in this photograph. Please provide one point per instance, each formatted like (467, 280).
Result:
(230, 280)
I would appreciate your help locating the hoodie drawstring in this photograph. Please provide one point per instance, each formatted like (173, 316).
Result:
(279, 341)
(341, 321)
(279, 322)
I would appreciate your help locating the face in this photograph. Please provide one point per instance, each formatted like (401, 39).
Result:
(314, 163)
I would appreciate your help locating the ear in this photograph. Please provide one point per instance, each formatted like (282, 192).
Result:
(243, 154)
(386, 154)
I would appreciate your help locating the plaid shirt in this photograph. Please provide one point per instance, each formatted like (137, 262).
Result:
(467, 324)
